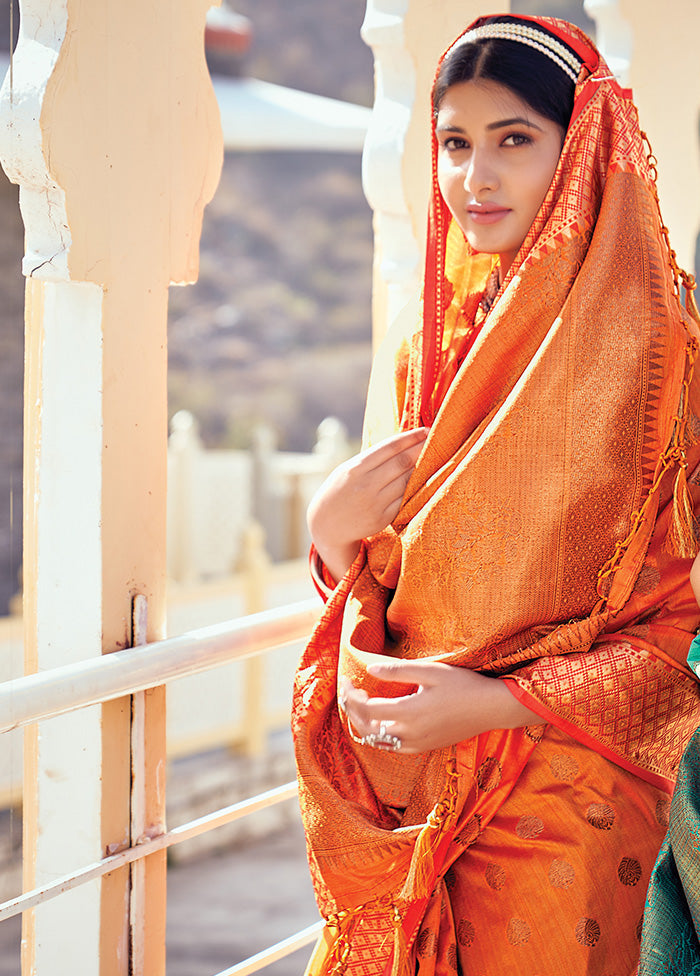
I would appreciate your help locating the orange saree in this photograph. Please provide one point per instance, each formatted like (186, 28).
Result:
(543, 539)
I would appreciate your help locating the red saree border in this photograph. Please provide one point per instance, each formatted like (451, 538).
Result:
(585, 738)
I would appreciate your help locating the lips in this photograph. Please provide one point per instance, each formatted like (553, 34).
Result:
(487, 213)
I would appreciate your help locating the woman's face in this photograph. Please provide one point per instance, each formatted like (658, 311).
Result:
(496, 159)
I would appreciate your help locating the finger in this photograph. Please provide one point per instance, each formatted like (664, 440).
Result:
(390, 503)
(390, 476)
(396, 714)
(396, 486)
(396, 445)
(391, 495)
(369, 714)
(351, 694)
(399, 466)
(358, 724)
(354, 700)
(407, 672)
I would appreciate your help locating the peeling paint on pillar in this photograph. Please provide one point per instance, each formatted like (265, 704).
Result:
(42, 201)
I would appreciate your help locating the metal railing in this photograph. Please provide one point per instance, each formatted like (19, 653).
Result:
(37, 697)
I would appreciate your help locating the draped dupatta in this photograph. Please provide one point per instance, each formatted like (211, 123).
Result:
(544, 535)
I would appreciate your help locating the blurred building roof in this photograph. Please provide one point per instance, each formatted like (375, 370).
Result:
(227, 32)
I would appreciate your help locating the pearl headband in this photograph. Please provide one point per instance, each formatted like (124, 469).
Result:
(534, 38)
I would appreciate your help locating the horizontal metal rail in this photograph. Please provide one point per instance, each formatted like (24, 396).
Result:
(236, 811)
(275, 952)
(31, 899)
(36, 697)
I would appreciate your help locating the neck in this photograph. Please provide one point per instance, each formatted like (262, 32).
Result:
(504, 263)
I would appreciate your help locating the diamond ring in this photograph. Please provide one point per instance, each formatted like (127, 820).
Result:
(377, 740)
(383, 739)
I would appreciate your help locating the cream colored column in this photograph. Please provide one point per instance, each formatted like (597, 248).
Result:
(665, 80)
(111, 129)
(613, 35)
(407, 38)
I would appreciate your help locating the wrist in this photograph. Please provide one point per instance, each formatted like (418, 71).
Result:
(515, 713)
(337, 559)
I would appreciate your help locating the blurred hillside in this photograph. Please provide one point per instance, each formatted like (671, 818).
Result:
(277, 329)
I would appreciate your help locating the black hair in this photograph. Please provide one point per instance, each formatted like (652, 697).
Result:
(528, 73)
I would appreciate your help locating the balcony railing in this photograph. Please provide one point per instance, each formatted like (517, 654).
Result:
(38, 697)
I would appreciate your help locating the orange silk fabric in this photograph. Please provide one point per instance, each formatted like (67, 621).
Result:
(532, 544)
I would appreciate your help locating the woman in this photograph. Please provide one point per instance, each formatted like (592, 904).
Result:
(489, 716)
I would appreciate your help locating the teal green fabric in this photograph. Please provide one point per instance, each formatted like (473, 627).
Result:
(670, 943)
(694, 654)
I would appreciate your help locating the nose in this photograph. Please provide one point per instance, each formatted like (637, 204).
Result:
(480, 173)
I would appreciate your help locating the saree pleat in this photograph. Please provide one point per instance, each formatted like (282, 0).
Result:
(543, 539)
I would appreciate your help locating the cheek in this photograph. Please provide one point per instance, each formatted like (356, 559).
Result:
(549, 168)
(443, 180)
(447, 172)
(449, 182)
(539, 185)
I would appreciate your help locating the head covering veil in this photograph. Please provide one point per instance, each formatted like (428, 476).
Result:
(544, 536)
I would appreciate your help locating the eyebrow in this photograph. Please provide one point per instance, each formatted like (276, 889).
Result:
(516, 120)
(501, 124)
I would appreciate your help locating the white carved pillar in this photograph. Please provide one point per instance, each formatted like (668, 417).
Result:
(184, 452)
(665, 80)
(613, 36)
(110, 127)
(397, 250)
(407, 38)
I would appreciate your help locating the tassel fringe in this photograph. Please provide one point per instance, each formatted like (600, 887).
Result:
(422, 868)
(418, 884)
(344, 922)
(682, 538)
(400, 964)
(691, 306)
(689, 283)
(337, 957)
(682, 531)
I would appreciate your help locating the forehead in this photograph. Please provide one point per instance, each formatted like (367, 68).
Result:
(481, 101)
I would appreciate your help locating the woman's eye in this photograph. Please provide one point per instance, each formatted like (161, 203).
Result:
(454, 144)
(517, 139)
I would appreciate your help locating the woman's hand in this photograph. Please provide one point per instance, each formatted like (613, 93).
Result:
(450, 705)
(361, 497)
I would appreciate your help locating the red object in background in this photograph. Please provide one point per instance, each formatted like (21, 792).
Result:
(227, 32)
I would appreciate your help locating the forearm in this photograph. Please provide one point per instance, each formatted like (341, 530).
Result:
(489, 705)
(512, 712)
